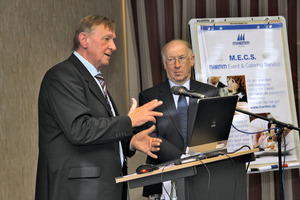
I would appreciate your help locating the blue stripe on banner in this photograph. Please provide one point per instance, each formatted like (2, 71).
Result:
(240, 26)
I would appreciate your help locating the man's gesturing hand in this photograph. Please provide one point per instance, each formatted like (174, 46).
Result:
(144, 143)
(141, 115)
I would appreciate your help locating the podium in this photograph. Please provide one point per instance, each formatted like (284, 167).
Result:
(222, 177)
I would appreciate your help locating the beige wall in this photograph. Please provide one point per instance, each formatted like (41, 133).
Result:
(35, 35)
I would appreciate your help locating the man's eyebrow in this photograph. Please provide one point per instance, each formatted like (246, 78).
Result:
(177, 56)
(110, 35)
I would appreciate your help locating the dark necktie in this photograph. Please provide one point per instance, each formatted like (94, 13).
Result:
(103, 85)
(182, 108)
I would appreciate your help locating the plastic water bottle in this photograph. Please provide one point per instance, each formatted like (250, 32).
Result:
(173, 190)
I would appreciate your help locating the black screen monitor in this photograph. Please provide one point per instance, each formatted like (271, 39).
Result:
(212, 124)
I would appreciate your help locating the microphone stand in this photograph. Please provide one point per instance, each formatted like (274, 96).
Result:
(279, 132)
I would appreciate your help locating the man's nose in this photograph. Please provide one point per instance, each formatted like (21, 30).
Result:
(112, 45)
(177, 63)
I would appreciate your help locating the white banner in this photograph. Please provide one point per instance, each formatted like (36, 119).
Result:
(250, 60)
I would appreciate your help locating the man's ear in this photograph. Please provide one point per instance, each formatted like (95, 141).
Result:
(165, 65)
(192, 60)
(83, 39)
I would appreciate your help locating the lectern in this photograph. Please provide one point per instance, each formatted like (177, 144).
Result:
(222, 177)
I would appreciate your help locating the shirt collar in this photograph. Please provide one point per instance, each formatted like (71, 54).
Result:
(186, 84)
(91, 68)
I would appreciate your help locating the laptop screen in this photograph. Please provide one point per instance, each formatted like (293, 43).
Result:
(212, 123)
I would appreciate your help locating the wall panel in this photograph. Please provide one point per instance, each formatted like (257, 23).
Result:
(35, 35)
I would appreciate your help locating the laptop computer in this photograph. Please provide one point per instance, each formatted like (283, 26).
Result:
(212, 126)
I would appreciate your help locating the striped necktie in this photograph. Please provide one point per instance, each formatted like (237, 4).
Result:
(103, 85)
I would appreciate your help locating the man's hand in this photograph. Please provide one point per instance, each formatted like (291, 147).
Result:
(144, 143)
(141, 115)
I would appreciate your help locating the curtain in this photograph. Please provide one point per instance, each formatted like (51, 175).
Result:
(153, 23)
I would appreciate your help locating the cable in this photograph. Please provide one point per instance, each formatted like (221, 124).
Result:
(162, 181)
(239, 149)
(208, 172)
(247, 167)
(253, 132)
(234, 173)
(283, 166)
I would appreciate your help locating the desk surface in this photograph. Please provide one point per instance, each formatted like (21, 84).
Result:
(185, 165)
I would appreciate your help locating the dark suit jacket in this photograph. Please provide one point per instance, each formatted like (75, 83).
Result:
(168, 126)
(78, 137)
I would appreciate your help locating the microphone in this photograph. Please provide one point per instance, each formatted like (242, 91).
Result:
(190, 93)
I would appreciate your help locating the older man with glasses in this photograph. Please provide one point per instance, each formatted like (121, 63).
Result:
(174, 128)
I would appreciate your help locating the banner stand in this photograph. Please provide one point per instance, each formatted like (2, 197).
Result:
(249, 57)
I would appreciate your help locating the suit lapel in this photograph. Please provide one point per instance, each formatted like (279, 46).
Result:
(91, 82)
(113, 104)
(168, 100)
(193, 108)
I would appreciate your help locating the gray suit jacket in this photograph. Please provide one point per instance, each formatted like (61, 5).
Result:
(78, 137)
(168, 126)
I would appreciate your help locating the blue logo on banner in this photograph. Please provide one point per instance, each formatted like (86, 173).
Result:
(241, 40)
(241, 37)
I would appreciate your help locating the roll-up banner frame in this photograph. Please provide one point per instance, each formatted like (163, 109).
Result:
(249, 57)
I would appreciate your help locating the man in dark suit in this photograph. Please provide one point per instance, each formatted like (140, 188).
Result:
(178, 61)
(83, 143)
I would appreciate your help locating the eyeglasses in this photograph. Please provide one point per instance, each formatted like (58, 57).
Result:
(181, 60)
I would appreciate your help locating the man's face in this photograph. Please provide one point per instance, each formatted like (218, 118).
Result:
(178, 62)
(100, 45)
